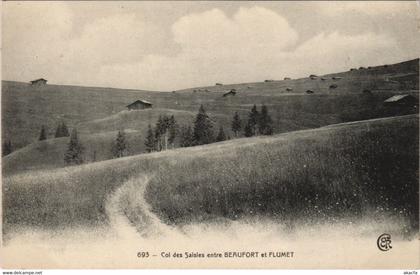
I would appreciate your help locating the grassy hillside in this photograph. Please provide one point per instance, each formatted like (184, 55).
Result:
(138, 119)
(97, 138)
(342, 172)
(25, 108)
(48, 154)
(289, 113)
(404, 74)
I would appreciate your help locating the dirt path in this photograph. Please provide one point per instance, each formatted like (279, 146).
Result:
(130, 215)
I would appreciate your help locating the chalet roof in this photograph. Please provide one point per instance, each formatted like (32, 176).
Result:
(231, 92)
(396, 98)
(140, 101)
(39, 79)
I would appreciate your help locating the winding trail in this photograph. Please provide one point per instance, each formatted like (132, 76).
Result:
(130, 215)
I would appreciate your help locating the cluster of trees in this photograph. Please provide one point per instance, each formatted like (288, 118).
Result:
(163, 134)
(202, 132)
(259, 123)
(61, 131)
(167, 133)
(74, 152)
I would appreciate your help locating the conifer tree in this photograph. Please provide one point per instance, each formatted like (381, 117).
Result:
(74, 151)
(58, 131)
(43, 133)
(265, 122)
(7, 148)
(254, 119)
(150, 141)
(173, 130)
(120, 145)
(248, 132)
(203, 128)
(221, 134)
(187, 136)
(236, 124)
(64, 130)
(161, 132)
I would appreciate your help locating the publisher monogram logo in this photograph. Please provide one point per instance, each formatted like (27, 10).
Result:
(384, 242)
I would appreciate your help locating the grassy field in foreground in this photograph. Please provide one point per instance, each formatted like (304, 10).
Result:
(324, 174)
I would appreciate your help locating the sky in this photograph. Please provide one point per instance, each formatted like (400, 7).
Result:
(166, 46)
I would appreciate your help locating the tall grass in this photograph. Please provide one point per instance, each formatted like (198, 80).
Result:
(324, 174)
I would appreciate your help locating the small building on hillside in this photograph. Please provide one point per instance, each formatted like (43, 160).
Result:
(287, 78)
(323, 78)
(139, 105)
(219, 84)
(39, 82)
(333, 86)
(313, 76)
(402, 101)
(230, 93)
(289, 89)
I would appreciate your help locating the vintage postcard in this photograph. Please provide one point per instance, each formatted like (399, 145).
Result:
(210, 135)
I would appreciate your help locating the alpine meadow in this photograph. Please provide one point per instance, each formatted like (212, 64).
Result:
(238, 128)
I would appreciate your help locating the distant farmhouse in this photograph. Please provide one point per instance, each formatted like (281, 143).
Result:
(401, 101)
(230, 93)
(139, 105)
(39, 82)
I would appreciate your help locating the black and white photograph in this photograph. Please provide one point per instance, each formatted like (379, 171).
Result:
(210, 135)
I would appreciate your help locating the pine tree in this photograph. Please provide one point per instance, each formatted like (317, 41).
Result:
(64, 130)
(120, 145)
(203, 128)
(161, 132)
(248, 132)
(253, 120)
(150, 141)
(186, 136)
(74, 151)
(173, 130)
(43, 134)
(252, 125)
(61, 131)
(7, 148)
(236, 124)
(58, 131)
(265, 122)
(221, 135)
